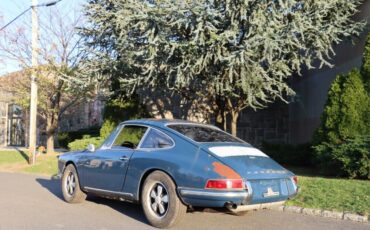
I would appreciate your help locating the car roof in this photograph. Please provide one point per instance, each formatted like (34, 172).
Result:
(163, 122)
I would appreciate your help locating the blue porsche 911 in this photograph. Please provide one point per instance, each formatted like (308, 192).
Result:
(170, 165)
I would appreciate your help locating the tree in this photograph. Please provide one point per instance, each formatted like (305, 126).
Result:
(61, 79)
(237, 54)
(345, 111)
(341, 142)
(365, 69)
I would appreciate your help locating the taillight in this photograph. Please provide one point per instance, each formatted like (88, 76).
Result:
(225, 184)
(295, 179)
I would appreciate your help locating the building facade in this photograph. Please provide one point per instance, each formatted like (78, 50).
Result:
(14, 126)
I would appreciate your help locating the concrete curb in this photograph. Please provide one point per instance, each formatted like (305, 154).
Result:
(324, 213)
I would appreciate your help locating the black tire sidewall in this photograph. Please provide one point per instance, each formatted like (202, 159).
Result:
(175, 205)
(70, 198)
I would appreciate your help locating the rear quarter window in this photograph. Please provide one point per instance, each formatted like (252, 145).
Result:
(155, 139)
(200, 133)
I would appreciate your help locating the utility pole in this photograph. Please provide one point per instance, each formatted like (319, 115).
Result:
(33, 106)
(35, 47)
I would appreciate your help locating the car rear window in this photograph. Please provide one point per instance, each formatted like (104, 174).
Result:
(200, 133)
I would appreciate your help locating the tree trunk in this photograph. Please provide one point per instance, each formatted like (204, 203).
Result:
(221, 114)
(51, 127)
(50, 143)
(224, 120)
(234, 121)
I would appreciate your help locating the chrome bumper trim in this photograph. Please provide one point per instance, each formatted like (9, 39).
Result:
(242, 208)
(233, 194)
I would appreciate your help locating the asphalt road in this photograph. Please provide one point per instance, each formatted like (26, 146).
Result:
(32, 202)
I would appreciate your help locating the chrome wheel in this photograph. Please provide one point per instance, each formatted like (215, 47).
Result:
(159, 199)
(70, 184)
(161, 204)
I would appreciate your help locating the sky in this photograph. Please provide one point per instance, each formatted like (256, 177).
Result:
(9, 9)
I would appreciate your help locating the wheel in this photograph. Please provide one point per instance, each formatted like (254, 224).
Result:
(161, 205)
(72, 192)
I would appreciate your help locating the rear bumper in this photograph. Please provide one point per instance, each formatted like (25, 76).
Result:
(242, 208)
(209, 198)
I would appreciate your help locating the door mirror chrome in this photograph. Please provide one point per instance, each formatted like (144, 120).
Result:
(91, 147)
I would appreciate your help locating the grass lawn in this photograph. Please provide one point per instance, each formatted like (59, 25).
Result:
(17, 161)
(333, 194)
(12, 157)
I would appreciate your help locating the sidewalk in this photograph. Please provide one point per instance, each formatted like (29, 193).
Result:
(23, 148)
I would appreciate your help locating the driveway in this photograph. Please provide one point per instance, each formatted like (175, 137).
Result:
(33, 202)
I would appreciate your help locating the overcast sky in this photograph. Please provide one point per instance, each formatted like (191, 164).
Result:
(9, 9)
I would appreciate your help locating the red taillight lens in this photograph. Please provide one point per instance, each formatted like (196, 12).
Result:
(295, 179)
(225, 184)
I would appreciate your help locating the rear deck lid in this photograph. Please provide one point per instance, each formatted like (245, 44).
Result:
(268, 180)
(249, 162)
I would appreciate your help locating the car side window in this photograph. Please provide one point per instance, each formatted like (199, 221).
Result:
(109, 140)
(157, 140)
(129, 136)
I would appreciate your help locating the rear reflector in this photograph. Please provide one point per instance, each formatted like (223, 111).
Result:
(225, 184)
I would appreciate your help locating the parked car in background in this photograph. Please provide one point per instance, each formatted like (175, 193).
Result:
(170, 165)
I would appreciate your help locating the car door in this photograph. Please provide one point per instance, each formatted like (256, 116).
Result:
(105, 169)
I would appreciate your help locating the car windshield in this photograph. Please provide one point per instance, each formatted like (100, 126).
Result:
(200, 133)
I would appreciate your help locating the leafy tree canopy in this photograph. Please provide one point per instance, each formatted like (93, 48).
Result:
(241, 51)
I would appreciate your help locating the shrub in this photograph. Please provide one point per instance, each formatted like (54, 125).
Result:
(345, 111)
(292, 155)
(351, 158)
(341, 143)
(107, 128)
(117, 110)
(63, 139)
(82, 143)
(66, 137)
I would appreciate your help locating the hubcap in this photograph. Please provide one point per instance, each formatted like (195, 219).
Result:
(159, 199)
(70, 184)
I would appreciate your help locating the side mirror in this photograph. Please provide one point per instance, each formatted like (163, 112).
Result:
(91, 148)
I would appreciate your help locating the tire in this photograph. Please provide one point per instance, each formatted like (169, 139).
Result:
(161, 205)
(72, 192)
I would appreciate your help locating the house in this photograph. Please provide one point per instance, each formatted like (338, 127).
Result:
(14, 125)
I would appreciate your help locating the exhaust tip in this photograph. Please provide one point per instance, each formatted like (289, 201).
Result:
(231, 206)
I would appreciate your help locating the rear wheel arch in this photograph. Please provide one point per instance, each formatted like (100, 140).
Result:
(146, 174)
(161, 203)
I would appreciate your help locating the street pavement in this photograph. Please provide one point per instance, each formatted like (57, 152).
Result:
(34, 202)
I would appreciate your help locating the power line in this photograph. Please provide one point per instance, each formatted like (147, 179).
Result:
(50, 3)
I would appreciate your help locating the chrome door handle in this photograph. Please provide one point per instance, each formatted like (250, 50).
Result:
(124, 158)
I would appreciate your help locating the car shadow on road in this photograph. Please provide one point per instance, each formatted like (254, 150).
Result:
(131, 210)
(53, 185)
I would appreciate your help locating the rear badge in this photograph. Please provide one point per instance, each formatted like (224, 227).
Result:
(270, 193)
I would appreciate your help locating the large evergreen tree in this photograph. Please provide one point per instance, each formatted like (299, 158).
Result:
(236, 53)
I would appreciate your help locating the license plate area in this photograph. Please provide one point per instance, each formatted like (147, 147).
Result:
(268, 189)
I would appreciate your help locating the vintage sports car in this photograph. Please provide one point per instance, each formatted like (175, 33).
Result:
(170, 165)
